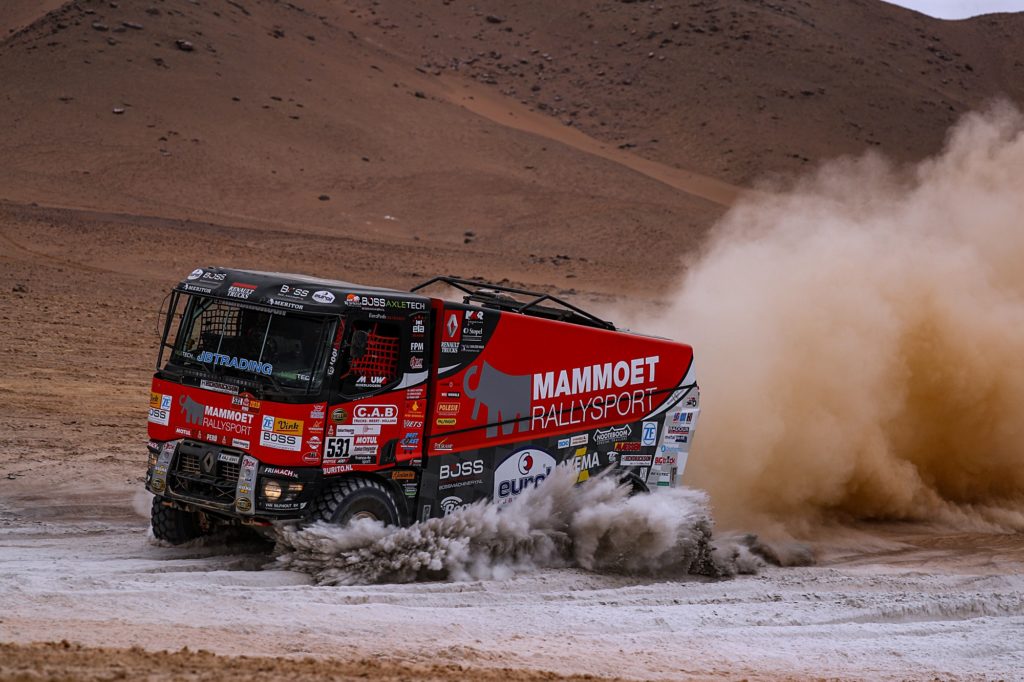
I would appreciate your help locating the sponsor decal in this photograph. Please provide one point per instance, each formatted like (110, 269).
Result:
(405, 305)
(452, 332)
(451, 504)
(286, 304)
(612, 434)
(581, 439)
(443, 446)
(195, 274)
(198, 287)
(675, 429)
(415, 362)
(633, 379)
(278, 471)
(506, 397)
(403, 475)
(451, 395)
(416, 347)
(351, 444)
(375, 414)
(337, 469)
(410, 440)
(582, 462)
(418, 328)
(446, 421)
(313, 442)
(241, 290)
(219, 387)
(280, 441)
(365, 381)
(683, 417)
(323, 297)
(160, 408)
(229, 458)
(352, 299)
(226, 413)
(296, 292)
(628, 446)
(183, 432)
(246, 403)
(414, 393)
(593, 378)
(292, 427)
(191, 409)
(563, 443)
(318, 411)
(281, 434)
(412, 423)
(339, 415)
(649, 433)
(635, 459)
(311, 457)
(240, 443)
(461, 469)
(243, 364)
(448, 408)
(521, 471)
(475, 315)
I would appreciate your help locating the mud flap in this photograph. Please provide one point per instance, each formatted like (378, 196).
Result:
(245, 491)
(674, 444)
(158, 483)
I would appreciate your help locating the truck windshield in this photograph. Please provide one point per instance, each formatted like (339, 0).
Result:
(281, 350)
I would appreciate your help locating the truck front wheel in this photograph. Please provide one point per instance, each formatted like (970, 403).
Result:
(346, 499)
(174, 525)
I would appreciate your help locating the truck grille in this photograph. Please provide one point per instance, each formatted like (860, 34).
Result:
(199, 472)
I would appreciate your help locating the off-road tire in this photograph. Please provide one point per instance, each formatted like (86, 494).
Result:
(346, 498)
(174, 525)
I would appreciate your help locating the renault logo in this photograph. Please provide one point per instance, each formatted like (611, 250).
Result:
(209, 462)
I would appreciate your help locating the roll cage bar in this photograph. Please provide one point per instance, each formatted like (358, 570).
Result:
(499, 298)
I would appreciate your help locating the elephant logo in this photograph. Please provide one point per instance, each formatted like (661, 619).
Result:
(192, 410)
(506, 397)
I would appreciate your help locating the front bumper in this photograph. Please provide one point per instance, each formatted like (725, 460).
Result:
(228, 481)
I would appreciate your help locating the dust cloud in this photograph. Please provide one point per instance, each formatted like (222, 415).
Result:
(859, 341)
(596, 526)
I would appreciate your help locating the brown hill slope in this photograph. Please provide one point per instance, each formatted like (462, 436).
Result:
(732, 88)
(418, 122)
(273, 107)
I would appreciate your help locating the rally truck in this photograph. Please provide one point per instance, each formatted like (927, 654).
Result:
(288, 398)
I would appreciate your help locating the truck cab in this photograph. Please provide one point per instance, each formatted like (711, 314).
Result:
(282, 397)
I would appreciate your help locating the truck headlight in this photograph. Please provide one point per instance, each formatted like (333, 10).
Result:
(272, 490)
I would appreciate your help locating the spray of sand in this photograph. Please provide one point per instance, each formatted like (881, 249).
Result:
(860, 341)
(597, 526)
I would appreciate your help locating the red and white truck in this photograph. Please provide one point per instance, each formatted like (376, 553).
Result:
(286, 397)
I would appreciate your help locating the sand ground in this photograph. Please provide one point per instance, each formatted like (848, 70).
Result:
(79, 299)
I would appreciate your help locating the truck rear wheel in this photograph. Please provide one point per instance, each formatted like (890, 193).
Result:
(346, 499)
(174, 525)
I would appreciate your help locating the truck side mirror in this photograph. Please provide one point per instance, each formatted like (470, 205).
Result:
(359, 340)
